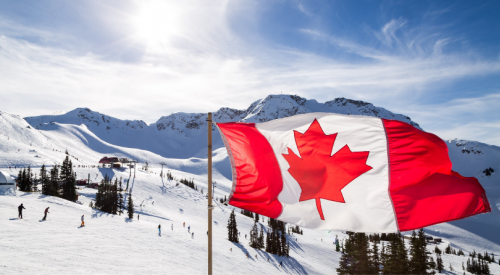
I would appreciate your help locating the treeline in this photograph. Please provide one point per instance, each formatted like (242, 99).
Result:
(109, 196)
(358, 257)
(189, 183)
(60, 183)
(275, 239)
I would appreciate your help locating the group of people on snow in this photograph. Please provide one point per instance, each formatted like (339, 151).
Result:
(21, 207)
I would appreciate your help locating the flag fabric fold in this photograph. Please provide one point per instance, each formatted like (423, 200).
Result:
(355, 173)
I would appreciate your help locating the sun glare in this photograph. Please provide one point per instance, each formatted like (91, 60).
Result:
(157, 21)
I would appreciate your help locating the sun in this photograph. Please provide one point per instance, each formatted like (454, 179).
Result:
(158, 21)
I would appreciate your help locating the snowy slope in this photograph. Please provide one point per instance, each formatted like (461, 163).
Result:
(182, 135)
(135, 247)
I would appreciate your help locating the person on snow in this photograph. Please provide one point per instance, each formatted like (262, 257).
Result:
(256, 256)
(267, 259)
(137, 216)
(231, 249)
(281, 263)
(159, 228)
(192, 235)
(245, 236)
(184, 224)
(46, 211)
(83, 221)
(20, 208)
(172, 226)
(189, 228)
(248, 255)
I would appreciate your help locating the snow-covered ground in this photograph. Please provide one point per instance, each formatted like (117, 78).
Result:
(113, 244)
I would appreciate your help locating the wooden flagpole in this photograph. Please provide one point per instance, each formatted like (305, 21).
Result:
(209, 191)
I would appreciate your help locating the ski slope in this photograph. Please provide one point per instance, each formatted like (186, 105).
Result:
(114, 244)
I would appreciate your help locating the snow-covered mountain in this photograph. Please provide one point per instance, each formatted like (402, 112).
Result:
(182, 135)
(179, 140)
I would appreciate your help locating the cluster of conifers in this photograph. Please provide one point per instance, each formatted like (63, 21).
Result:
(276, 239)
(55, 182)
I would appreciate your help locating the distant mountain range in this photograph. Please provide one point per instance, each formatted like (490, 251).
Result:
(182, 135)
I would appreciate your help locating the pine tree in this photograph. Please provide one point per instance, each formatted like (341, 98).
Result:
(447, 250)
(120, 199)
(254, 237)
(68, 179)
(396, 260)
(130, 208)
(437, 250)
(46, 186)
(256, 217)
(439, 264)
(418, 263)
(268, 242)
(356, 259)
(232, 230)
(261, 238)
(54, 181)
(283, 243)
(29, 180)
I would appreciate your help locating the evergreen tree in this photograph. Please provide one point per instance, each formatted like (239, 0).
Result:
(356, 259)
(130, 208)
(418, 263)
(46, 186)
(54, 181)
(254, 237)
(261, 238)
(232, 230)
(437, 250)
(447, 250)
(120, 199)
(395, 260)
(439, 264)
(256, 217)
(68, 180)
(284, 244)
(29, 180)
(268, 242)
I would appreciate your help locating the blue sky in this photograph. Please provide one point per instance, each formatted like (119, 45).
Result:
(435, 61)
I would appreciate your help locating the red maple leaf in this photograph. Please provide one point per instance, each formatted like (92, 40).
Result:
(320, 175)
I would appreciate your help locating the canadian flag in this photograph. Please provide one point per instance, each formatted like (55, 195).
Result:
(355, 173)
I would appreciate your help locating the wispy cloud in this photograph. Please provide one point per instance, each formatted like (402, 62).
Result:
(204, 65)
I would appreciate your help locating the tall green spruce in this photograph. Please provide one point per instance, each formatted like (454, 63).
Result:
(54, 181)
(25, 180)
(45, 180)
(232, 230)
(395, 260)
(68, 180)
(357, 258)
(130, 207)
(254, 237)
(419, 262)
(107, 198)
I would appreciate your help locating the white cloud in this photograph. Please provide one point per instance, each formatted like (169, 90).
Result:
(206, 66)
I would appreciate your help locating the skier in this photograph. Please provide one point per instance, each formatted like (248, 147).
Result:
(281, 263)
(20, 208)
(192, 235)
(46, 211)
(189, 228)
(159, 228)
(248, 256)
(137, 216)
(184, 224)
(267, 259)
(256, 256)
(231, 249)
(245, 236)
(172, 226)
(83, 221)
